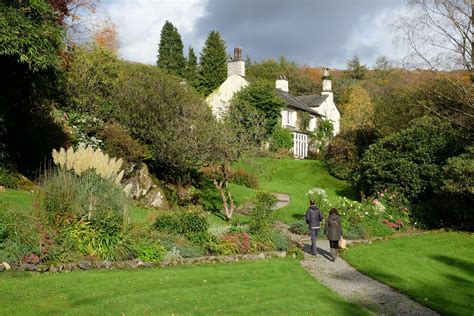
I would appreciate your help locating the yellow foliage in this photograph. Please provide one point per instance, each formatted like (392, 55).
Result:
(358, 110)
(86, 158)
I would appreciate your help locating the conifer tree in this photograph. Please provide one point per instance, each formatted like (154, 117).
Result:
(355, 69)
(170, 51)
(213, 70)
(191, 74)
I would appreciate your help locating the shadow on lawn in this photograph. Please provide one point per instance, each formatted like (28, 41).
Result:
(464, 265)
(348, 192)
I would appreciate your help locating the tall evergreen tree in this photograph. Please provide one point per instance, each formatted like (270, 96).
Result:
(355, 69)
(191, 74)
(213, 70)
(170, 50)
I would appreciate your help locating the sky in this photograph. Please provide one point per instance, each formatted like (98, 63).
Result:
(309, 32)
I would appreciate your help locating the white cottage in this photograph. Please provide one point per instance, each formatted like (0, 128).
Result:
(314, 105)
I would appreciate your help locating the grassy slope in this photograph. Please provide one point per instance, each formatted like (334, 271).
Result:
(294, 177)
(23, 200)
(436, 269)
(264, 287)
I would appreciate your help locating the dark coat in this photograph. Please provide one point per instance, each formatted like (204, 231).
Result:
(333, 229)
(313, 217)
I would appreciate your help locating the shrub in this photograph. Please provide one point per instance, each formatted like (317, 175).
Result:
(409, 161)
(118, 143)
(280, 241)
(240, 240)
(262, 214)
(243, 177)
(281, 138)
(191, 223)
(344, 152)
(7, 178)
(300, 227)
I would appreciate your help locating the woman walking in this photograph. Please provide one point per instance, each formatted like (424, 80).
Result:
(333, 231)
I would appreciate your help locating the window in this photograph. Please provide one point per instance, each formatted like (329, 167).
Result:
(289, 118)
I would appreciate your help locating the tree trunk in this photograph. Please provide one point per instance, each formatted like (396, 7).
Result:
(472, 40)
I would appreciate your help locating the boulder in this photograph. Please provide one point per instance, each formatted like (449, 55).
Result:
(26, 267)
(2, 188)
(85, 265)
(155, 198)
(132, 188)
(6, 265)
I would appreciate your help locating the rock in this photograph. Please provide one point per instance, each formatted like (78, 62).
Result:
(261, 255)
(106, 265)
(53, 269)
(148, 264)
(6, 265)
(155, 198)
(85, 265)
(2, 188)
(132, 188)
(26, 267)
(145, 180)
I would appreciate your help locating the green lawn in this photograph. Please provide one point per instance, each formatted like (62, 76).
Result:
(17, 199)
(265, 287)
(295, 177)
(436, 269)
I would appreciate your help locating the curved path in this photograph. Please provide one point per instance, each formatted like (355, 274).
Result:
(354, 286)
(283, 200)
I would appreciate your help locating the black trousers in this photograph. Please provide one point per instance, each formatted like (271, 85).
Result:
(314, 237)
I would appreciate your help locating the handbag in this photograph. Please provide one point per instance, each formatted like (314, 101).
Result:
(342, 243)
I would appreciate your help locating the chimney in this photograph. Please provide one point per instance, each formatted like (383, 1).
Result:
(282, 83)
(327, 85)
(236, 65)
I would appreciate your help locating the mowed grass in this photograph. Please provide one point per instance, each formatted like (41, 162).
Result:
(296, 178)
(436, 269)
(270, 287)
(17, 199)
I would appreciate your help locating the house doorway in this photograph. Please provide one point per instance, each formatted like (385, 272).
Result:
(300, 145)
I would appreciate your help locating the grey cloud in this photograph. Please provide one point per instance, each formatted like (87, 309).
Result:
(309, 32)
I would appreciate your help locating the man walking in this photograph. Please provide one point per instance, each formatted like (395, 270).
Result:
(313, 218)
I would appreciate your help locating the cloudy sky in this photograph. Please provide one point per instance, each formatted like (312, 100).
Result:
(312, 32)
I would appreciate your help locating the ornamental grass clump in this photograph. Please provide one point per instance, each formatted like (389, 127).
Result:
(86, 158)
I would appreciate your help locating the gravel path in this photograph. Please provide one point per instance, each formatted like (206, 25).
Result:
(354, 286)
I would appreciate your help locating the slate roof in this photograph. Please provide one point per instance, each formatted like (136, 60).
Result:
(312, 100)
(294, 102)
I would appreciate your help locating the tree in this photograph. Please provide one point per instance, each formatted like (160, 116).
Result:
(241, 133)
(191, 73)
(213, 71)
(440, 36)
(31, 43)
(299, 80)
(262, 96)
(357, 110)
(92, 77)
(383, 67)
(355, 69)
(167, 117)
(106, 36)
(170, 51)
